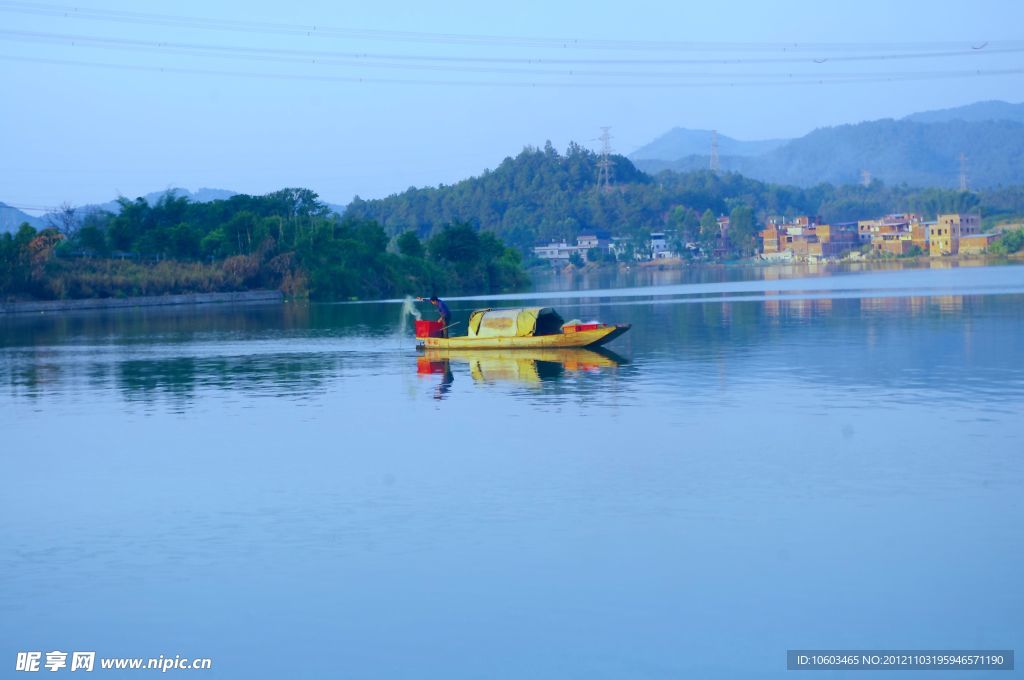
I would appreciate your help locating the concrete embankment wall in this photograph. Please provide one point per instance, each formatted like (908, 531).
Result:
(151, 301)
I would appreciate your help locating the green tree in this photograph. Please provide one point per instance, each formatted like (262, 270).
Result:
(708, 230)
(1012, 241)
(457, 244)
(742, 231)
(409, 244)
(93, 239)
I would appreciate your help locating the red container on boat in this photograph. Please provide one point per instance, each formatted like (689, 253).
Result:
(576, 328)
(429, 329)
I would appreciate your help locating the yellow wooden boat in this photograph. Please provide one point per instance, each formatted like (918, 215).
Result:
(521, 328)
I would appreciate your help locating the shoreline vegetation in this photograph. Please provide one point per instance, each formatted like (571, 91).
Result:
(466, 238)
(287, 241)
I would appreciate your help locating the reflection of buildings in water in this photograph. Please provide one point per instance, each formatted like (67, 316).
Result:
(972, 262)
(914, 305)
(917, 305)
(780, 272)
(665, 277)
(726, 314)
(949, 303)
(871, 305)
(803, 308)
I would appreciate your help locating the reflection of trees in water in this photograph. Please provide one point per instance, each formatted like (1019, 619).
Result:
(271, 375)
(177, 379)
(173, 323)
(32, 375)
(146, 380)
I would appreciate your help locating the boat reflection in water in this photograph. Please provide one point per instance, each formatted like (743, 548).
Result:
(527, 366)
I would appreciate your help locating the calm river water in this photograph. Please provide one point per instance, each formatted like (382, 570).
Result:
(788, 461)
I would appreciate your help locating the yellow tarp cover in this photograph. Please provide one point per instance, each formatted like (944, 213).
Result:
(505, 323)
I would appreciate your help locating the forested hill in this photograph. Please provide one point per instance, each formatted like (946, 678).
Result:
(541, 194)
(538, 194)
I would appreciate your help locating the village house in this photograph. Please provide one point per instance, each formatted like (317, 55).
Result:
(556, 251)
(894, 234)
(945, 234)
(658, 246)
(805, 238)
(559, 250)
(593, 239)
(975, 244)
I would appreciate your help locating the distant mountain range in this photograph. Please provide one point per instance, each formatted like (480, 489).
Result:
(922, 149)
(11, 218)
(682, 142)
(979, 111)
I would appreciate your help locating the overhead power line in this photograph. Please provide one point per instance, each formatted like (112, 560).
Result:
(560, 43)
(384, 59)
(801, 68)
(27, 206)
(795, 80)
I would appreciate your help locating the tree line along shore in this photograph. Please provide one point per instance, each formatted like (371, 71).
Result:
(287, 241)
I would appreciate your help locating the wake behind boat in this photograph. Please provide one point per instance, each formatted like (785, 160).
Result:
(518, 328)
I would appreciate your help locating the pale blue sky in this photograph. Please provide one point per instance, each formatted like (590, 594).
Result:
(86, 133)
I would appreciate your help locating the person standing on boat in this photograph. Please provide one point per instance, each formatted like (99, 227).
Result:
(443, 311)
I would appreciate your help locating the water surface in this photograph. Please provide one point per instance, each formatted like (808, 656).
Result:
(294, 491)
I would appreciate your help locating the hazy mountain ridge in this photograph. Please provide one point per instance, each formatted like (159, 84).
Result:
(11, 218)
(978, 111)
(894, 151)
(918, 154)
(681, 142)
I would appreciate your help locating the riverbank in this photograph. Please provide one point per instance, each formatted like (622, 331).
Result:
(46, 306)
(669, 264)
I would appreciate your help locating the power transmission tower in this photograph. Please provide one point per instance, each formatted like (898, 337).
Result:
(865, 178)
(963, 172)
(715, 165)
(604, 164)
